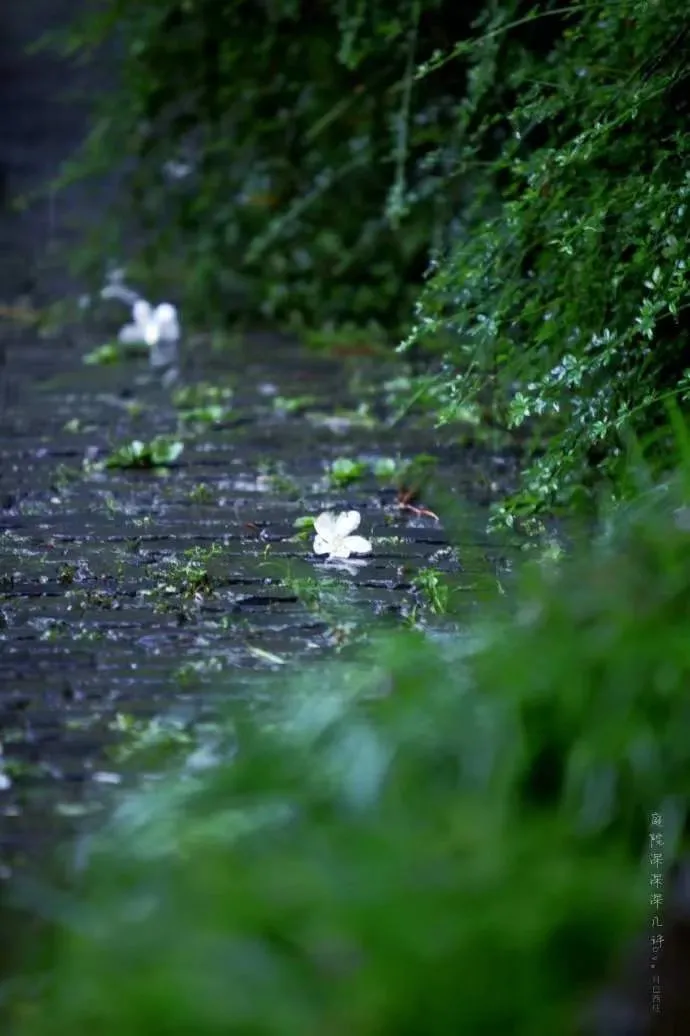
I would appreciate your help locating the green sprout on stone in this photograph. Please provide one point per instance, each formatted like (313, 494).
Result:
(158, 453)
(202, 394)
(103, 355)
(214, 413)
(387, 469)
(315, 594)
(304, 526)
(203, 403)
(344, 471)
(404, 474)
(433, 589)
(294, 405)
(190, 577)
(204, 554)
(201, 494)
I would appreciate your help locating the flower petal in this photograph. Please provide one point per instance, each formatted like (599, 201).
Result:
(321, 545)
(325, 525)
(166, 320)
(164, 312)
(131, 334)
(346, 522)
(141, 312)
(357, 545)
(339, 548)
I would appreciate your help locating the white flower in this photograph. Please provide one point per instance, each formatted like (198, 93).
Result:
(178, 170)
(151, 326)
(333, 535)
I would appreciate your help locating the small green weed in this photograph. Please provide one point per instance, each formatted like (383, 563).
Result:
(159, 453)
(433, 588)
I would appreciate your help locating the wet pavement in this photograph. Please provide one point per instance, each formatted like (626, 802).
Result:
(128, 594)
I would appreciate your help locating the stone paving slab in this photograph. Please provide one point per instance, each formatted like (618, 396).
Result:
(99, 619)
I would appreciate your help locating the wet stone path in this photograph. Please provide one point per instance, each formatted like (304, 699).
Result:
(132, 599)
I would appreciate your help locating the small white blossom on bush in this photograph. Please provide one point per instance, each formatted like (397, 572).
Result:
(151, 325)
(334, 535)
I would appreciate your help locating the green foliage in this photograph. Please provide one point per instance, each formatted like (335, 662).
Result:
(536, 152)
(103, 355)
(434, 590)
(378, 842)
(566, 289)
(297, 128)
(159, 453)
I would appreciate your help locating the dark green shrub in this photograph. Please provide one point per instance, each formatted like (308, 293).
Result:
(566, 290)
(303, 133)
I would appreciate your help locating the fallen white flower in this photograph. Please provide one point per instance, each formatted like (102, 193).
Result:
(333, 535)
(151, 325)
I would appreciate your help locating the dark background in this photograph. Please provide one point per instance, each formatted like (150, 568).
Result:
(43, 118)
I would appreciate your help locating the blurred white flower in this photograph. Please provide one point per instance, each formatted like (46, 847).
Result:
(150, 325)
(334, 535)
(5, 779)
(178, 170)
